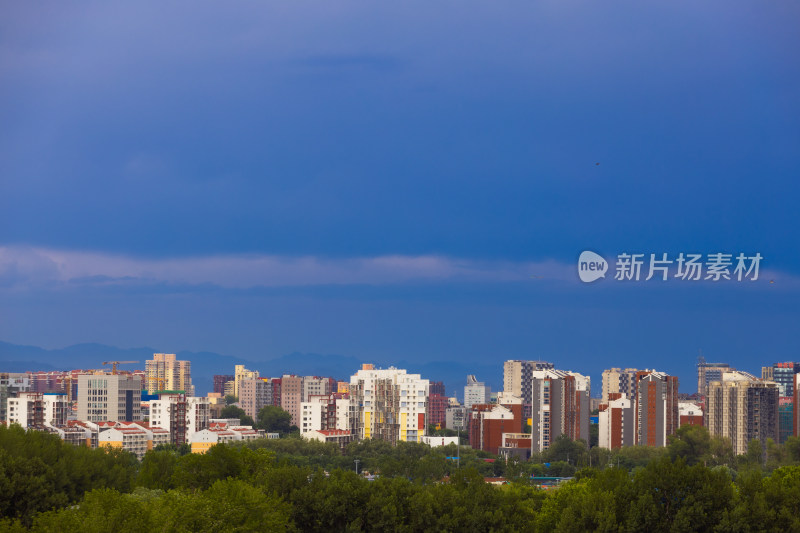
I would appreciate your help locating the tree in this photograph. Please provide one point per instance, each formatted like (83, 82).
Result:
(692, 443)
(233, 411)
(273, 419)
(230, 399)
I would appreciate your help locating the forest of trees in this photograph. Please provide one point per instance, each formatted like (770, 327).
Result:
(694, 484)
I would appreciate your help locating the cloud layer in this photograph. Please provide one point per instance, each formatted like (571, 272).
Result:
(26, 266)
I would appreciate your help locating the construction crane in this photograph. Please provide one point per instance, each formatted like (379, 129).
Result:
(115, 363)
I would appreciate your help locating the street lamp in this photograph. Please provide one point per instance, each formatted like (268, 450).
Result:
(357, 461)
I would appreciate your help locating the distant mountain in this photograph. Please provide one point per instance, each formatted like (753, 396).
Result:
(19, 358)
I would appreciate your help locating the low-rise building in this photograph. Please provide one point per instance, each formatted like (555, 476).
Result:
(488, 422)
(690, 414)
(438, 441)
(220, 433)
(341, 437)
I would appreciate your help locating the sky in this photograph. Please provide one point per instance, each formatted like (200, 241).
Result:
(396, 181)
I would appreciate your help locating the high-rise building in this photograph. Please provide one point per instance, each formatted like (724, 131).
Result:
(616, 422)
(253, 395)
(104, 397)
(165, 373)
(455, 418)
(742, 408)
(317, 386)
(476, 392)
(437, 409)
(292, 396)
(325, 412)
(796, 407)
(437, 387)
(560, 405)
(785, 418)
(220, 380)
(657, 414)
(708, 372)
(388, 404)
(617, 380)
(240, 373)
(11, 384)
(782, 374)
(517, 377)
(181, 415)
(36, 409)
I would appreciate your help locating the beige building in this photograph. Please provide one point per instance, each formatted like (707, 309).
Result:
(619, 381)
(517, 377)
(253, 395)
(165, 373)
(292, 396)
(109, 397)
(241, 373)
(135, 438)
(742, 408)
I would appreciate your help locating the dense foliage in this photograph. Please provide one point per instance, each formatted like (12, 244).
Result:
(694, 484)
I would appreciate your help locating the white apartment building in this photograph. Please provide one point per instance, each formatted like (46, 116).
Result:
(388, 404)
(617, 422)
(33, 409)
(180, 415)
(330, 411)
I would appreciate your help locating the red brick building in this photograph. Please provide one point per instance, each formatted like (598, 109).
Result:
(487, 423)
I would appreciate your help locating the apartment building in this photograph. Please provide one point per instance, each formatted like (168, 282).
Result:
(11, 384)
(616, 422)
(35, 409)
(560, 405)
(292, 396)
(708, 372)
(325, 411)
(657, 414)
(619, 381)
(240, 373)
(180, 415)
(254, 393)
(388, 404)
(743, 408)
(517, 377)
(165, 373)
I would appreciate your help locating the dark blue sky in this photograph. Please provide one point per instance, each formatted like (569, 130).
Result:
(404, 181)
